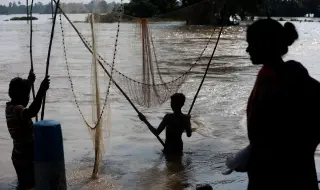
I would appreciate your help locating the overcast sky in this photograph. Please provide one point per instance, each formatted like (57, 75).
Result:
(46, 1)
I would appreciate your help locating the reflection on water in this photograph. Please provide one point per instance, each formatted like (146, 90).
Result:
(178, 172)
(167, 174)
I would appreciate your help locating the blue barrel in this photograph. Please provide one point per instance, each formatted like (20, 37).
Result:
(49, 156)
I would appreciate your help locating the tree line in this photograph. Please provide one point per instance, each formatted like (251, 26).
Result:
(40, 8)
(193, 11)
(280, 8)
(290, 8)
(208, 11)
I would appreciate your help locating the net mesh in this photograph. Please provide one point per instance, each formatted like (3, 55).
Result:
(151, 90)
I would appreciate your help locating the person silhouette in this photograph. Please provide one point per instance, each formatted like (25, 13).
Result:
(282, 119)
(175, 123)
(20, 126)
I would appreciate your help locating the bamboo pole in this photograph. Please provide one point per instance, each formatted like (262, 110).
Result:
(31, 53)
(28, 11)
(52, 15)
(49, 53)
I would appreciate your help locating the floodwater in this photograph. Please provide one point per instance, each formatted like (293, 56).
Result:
(132, 158)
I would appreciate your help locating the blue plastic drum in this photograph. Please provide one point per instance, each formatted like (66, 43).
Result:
(49, 156)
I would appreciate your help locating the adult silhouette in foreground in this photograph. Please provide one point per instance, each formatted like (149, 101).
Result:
(282, 114)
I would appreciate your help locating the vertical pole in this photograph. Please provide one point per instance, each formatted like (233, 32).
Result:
(28, 11)
(31, 53)
(49, 54)
(52, 9)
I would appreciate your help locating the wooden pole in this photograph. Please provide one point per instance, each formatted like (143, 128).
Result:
(31, 53)
(27, 11)
(52, 9)
(49, 53)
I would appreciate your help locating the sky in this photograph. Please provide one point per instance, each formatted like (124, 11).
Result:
(6, 2)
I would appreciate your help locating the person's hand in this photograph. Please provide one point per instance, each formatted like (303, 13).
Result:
(32, 76)
(45, 84)
(142, 117)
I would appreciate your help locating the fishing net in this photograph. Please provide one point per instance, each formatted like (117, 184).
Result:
(153, 59)
(78, 64)
(152, 46)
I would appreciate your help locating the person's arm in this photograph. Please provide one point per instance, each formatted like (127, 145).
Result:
(188, 127)
(161, 127)
(35, 106)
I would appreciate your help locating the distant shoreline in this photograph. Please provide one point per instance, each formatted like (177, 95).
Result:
(23, 18)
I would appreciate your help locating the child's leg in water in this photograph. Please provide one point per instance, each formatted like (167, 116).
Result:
(25, 173)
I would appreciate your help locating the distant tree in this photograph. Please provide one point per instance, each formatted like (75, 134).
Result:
(197, 11)
(38, 7)
(103, 6)
(14, 5)
(150, 8)
(140, 8)
(311, 6)
(46, 9)
(3, 9)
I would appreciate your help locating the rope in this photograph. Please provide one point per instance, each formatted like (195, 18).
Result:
(49, 53)
(31, 53)
(205, 74)
(83, 39)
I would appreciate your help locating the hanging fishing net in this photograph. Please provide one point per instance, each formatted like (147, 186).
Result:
(148, 60)
(151, 65)
(90, 89)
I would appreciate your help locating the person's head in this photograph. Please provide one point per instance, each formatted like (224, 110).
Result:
(268, 40)
(19, 90)
(177, 101)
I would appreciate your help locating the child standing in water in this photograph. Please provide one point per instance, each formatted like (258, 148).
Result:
(175, 123)
(20, 126)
